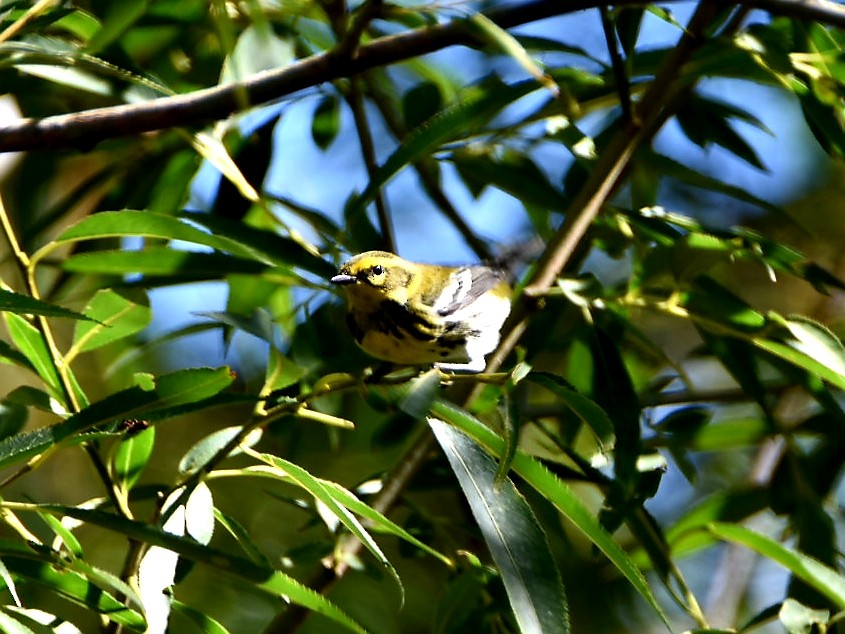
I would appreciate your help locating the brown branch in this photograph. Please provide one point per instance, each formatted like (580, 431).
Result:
(85, 129)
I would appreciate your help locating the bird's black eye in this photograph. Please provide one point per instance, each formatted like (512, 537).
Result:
(378, 269)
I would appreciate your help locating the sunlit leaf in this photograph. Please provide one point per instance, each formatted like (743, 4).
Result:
(116, 315)
(825, 580)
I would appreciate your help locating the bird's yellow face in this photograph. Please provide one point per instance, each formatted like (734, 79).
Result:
(376, 275)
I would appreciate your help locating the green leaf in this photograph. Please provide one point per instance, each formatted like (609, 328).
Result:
(30, 342)
(419, 393)
(556, 492)
(825, 580)
(10, 625)
(162, 261)
(706, 121)
(325, 124)
(719, 310)
(205, 449)
(512, 533)
(154, 536)
(118, 19)
(266, 246)
(33, 397)
(11, 302)
(122, 224)
(587, 410)
(203, 622)
(512, 172)
(131, 457)
(377, 522)
(420, 103)
(9, 582)
(628, 21)
(13, 417)
(288, 588)
(511, 424)
(116, 315)
(324, 494)
(810, 346)
(677, 170)
(186, 389)
(72, 586)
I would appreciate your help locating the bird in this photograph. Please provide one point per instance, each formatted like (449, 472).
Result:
(408, 313)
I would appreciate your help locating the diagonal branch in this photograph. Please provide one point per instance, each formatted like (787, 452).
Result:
(85, 129)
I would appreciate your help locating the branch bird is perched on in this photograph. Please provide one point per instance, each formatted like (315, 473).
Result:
(414, 314)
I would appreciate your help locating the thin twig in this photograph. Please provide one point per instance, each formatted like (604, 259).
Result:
(365, 137)
(622, 85)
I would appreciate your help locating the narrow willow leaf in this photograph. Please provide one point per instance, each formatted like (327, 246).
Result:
(271, 247)
(29, 341)
(121, 224)
(9, 582)
(418, 394)
(587, 410)
(11, 302)
(184, 547)
(377, 521)
(258, 48)
(76, 588)
(556, 492)
(164, 262)
(11, 356)
(205, 449)
(202, 621)
(380, 522)
(171, 394)
(199, 514)
(11, 625)
(65, 540)
(686, 174)
(241, 536)
(325, 495)
(511, 424)
(288, 588)
(117, 315)
(33, 397)
(131, 457)
(822, 578)
(512, 533)
(325, 123)
(811, 347)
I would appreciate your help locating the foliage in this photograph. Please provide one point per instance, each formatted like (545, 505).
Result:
(254, 471)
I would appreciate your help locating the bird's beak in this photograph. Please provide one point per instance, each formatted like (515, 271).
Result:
(343, 279)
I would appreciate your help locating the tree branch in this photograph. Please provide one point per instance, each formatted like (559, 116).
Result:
(85, 129)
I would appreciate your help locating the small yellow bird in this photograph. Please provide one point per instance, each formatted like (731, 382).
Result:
(415, 314)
